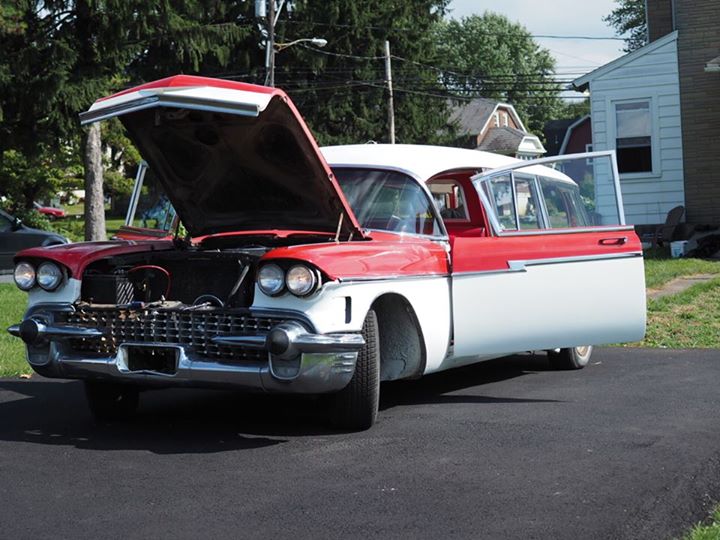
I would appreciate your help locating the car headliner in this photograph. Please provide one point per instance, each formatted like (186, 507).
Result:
(420, 161)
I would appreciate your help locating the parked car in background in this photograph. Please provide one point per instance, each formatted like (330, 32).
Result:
(325, 271)
(14, 237)
(49, 211)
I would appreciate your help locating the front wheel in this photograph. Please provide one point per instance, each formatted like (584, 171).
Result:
(109, 402)
(355, 407)
(571, 358)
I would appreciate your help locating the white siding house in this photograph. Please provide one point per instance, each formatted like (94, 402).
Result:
(635, 110)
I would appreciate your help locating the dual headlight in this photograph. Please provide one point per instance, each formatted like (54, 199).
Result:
(48, 276)
(299, 279)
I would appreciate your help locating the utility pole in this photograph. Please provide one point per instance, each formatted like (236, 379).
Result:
(391, 107)
(270, 53)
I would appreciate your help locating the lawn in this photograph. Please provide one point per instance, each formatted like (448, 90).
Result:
(12, 350)
(660, 271)
(709, 531)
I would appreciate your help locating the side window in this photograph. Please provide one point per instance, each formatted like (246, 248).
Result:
(580, 190)
(449, 199)
(527, 202)
(5, 224)
(499, 192)
(563, 204)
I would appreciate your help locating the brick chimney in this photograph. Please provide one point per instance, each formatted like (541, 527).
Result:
(660, 18)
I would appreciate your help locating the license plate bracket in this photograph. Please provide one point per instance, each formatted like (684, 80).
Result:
(156, 359)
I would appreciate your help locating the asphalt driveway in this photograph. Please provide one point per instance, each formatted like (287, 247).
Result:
(627, 448)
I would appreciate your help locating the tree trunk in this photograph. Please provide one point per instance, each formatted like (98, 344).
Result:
(94, 203)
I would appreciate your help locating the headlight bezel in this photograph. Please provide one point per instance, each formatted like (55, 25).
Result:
(275, 291)
(31, 269)
(308, 273)
(57, 272)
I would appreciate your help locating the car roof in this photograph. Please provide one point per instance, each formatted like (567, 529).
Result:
(423, 162)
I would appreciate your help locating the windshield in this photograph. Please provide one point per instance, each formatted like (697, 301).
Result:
(388, 201)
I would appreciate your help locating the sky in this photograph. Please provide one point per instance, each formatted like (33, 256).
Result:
(574, 57)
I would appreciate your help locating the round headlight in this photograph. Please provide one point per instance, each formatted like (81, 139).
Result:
(271, 279)
(300, 280)
(25, 275)
(49, 276)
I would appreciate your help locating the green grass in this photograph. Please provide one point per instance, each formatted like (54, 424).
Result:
(690, 319)
(660, 271)
(12, 349)
(709, 531)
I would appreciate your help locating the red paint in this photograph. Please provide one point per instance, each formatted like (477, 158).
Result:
(387, 255)
(76, 257)
(52, 212)
(476, 254)
(184, 81)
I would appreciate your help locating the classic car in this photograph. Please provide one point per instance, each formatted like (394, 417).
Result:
(15, 236)
(51, 212)
(295, 269)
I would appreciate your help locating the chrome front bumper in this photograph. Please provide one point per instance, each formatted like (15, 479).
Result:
(297, 361)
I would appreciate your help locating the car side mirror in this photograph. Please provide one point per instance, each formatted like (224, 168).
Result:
(17, 223)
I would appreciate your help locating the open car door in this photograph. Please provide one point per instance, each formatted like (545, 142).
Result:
(560, 269)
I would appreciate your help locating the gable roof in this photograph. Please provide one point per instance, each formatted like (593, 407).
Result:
(473, 117)
(507, 140)
(577, 123)
(582, 83)
(555, 131)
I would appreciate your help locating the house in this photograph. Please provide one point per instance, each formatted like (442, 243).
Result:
(659, 108)
(493, 126)
(568, 136)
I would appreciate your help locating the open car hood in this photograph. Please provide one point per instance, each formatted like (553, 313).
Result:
(231, 156)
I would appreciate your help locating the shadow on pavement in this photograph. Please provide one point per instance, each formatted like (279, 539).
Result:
(180, 421)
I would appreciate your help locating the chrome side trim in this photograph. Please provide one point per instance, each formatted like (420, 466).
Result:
(541, 232)
(364, 279)
(521, 266)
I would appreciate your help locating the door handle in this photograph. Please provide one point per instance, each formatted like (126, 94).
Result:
(613, 241)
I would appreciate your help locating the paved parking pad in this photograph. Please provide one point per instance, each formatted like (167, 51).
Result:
(626, 448)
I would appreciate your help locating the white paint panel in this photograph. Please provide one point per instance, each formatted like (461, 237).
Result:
(429, 298)
(548, 306)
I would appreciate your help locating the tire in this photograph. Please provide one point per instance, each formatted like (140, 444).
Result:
(355, 407)
(571, 358)
(111, 402)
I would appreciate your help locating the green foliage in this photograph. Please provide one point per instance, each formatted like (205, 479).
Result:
(490, 56)
(628, 19)
(24, 180)
(341, 90)
(574, 109)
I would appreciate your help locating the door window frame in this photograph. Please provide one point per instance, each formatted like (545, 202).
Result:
(492, 217)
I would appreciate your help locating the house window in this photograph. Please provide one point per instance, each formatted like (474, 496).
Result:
(505, 120)
(633, 137)
(496, 119)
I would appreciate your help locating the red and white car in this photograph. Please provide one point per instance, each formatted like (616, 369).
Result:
(326, 271)
(49, 211)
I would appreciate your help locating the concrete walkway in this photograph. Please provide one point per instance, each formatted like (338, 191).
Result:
(678, 285)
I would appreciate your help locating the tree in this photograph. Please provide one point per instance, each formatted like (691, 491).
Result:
(341, 90)
(63, 54)
(490, 56)
(628, 19)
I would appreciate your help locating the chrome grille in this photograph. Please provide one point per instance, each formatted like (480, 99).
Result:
(192, 329)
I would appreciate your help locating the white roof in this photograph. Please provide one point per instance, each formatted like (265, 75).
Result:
(421, 162)
(425, 162)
